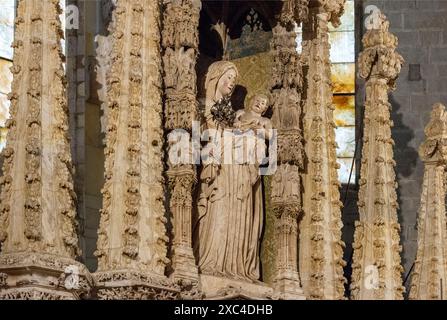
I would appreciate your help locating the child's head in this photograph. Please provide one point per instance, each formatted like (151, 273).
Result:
(259, 103)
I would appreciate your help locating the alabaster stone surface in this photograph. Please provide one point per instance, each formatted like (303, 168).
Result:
(180, 41)
(286, 87)
(430, 268)
(376, 261)
(321, 248)
(132, 237)
(190, 230)
(38, 227)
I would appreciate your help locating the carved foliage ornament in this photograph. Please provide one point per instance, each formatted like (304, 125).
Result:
(180, 40)
(144, 286)
(434, 149)
(181, 185)
(379, 57)
(335, 8)
(321, 248)
(287, 71)
(294, 11)
(133, 186)
(74, 280)
(430, 265)
(27, 96)
(181, 18)
(379, 226)
(286, 87)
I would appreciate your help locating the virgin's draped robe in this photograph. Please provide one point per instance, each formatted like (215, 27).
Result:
(230, 214)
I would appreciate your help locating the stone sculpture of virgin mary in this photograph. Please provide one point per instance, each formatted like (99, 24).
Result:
(228, 217)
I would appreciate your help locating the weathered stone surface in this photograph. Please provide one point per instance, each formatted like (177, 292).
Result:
(376, 268)
(430, 268)
(180, 43)
(321, 248)
(132, 239)
(286, 87)
(37, 215)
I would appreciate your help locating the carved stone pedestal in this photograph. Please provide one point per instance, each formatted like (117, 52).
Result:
(288, 287)
(181, 182)
(134, 285)
(35, 276)
(218, 288)
(183, 263)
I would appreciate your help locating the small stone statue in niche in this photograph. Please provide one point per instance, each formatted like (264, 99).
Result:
(229, 207)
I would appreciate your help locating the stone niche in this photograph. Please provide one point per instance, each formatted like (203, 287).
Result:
(242, 36)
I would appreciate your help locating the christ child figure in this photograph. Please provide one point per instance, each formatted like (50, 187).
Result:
(251, 118)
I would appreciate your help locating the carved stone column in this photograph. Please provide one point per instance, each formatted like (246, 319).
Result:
(321, 247)
(428, 280)
(103, 57)
(286, 88)
(132, 240)
(180, 43)
(376, 268)
(37, 211)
